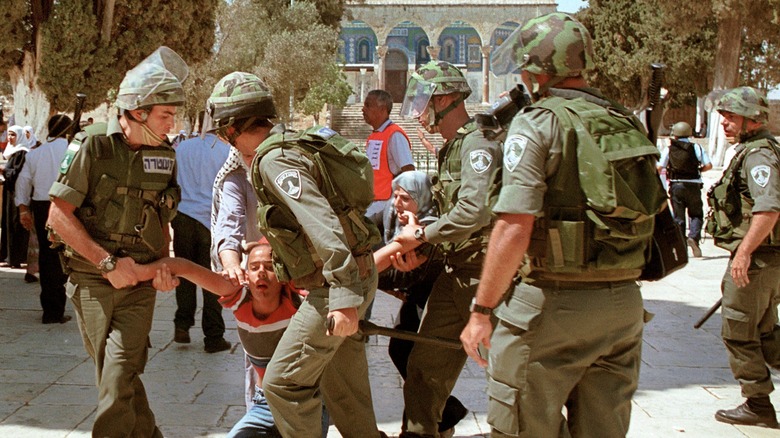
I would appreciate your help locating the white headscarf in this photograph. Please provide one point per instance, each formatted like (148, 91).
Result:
(20, 145)
(33, 140)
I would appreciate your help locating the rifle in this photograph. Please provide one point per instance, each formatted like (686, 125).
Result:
(75, 126)
(367, 328)
(653, 113)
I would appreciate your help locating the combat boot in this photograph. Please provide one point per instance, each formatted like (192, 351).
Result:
(756, 411)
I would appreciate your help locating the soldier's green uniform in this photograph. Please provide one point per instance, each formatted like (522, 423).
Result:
(466, 183)
(571, 337)
(124, 197)
(324, 248)
(749, 185)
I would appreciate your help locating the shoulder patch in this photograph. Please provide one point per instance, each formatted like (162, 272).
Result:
(761, 174)
(480, 160)
(290, 183)
(325, 133)
(514, 148)
(158, 164)
(73, 147)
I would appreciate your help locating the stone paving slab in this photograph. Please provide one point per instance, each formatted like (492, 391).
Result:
(46, 377)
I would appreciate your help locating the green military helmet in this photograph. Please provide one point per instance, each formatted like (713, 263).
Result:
(435, 78)
(238, 96)
(744, 101)
(682, 129)
(157, 80)
(554, 44)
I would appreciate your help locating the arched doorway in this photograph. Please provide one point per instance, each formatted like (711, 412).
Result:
(396, 65)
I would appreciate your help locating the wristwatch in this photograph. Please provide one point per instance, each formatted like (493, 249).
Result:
(419, 234)
(476, 308)
(108, 264)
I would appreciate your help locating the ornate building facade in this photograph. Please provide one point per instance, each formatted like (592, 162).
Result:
(384, 41)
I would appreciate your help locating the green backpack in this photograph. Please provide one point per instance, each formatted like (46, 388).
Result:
(603, 231)
(346, 179)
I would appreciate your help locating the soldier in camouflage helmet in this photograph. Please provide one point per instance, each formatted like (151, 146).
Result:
(567, 335)
(467, 183)
(111, 208)
(684, 162)
(743, 219)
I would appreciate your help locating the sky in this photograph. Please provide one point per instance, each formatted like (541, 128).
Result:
(571, 5)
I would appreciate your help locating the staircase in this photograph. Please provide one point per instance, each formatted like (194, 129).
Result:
(348, 122)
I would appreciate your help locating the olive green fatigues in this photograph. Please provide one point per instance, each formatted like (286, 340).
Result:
(307, 363)
(750, 331)
(558, 343)
(468, 177)
(114, 189)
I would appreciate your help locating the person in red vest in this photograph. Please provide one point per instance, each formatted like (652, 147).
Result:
(388, 148)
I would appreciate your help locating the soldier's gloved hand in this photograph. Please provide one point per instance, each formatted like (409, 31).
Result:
(235, 275)
(124, 274)
(345, 321)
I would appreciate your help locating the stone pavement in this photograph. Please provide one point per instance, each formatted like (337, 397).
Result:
(47, 379)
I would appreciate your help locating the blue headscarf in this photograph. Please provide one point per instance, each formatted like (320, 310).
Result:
(418, 185)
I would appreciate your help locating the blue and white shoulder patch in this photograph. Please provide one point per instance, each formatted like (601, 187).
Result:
(480, 160)
(325, 133)
(514, 148)
(290, 183)
(761, 174)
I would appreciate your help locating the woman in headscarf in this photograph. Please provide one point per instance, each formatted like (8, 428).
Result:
(412, 195)
(32, 140)
(15, 237)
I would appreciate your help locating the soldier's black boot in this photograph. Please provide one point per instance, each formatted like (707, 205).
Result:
(756, 411)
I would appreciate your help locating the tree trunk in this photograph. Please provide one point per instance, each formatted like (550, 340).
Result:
(31, 107)
(726, 75)
(107, 21)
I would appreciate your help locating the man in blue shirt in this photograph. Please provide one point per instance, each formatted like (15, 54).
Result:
(199, 160)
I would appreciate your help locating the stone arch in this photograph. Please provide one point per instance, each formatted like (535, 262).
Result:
(359, 42)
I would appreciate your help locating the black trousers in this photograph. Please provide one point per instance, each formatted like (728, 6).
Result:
(686, 196)
(52, 278)
(192, 241)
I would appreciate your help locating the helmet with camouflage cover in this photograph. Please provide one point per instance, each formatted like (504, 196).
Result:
(554, 44)
(436, 78)
(682, 129)
(744, 101)
(448, 78)
(238, 96)
(157, 80)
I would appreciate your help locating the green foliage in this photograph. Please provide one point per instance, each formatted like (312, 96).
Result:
(16, 34)
(293, 49)
(73, 58)
(629, 35)
(331, 89)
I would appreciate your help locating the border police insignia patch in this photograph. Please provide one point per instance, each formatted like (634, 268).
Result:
(290, 183)
(480, 160)
(68, 158)
(761, 174)
(514, 148)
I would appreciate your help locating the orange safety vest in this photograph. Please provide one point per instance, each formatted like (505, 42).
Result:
(376, 149)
